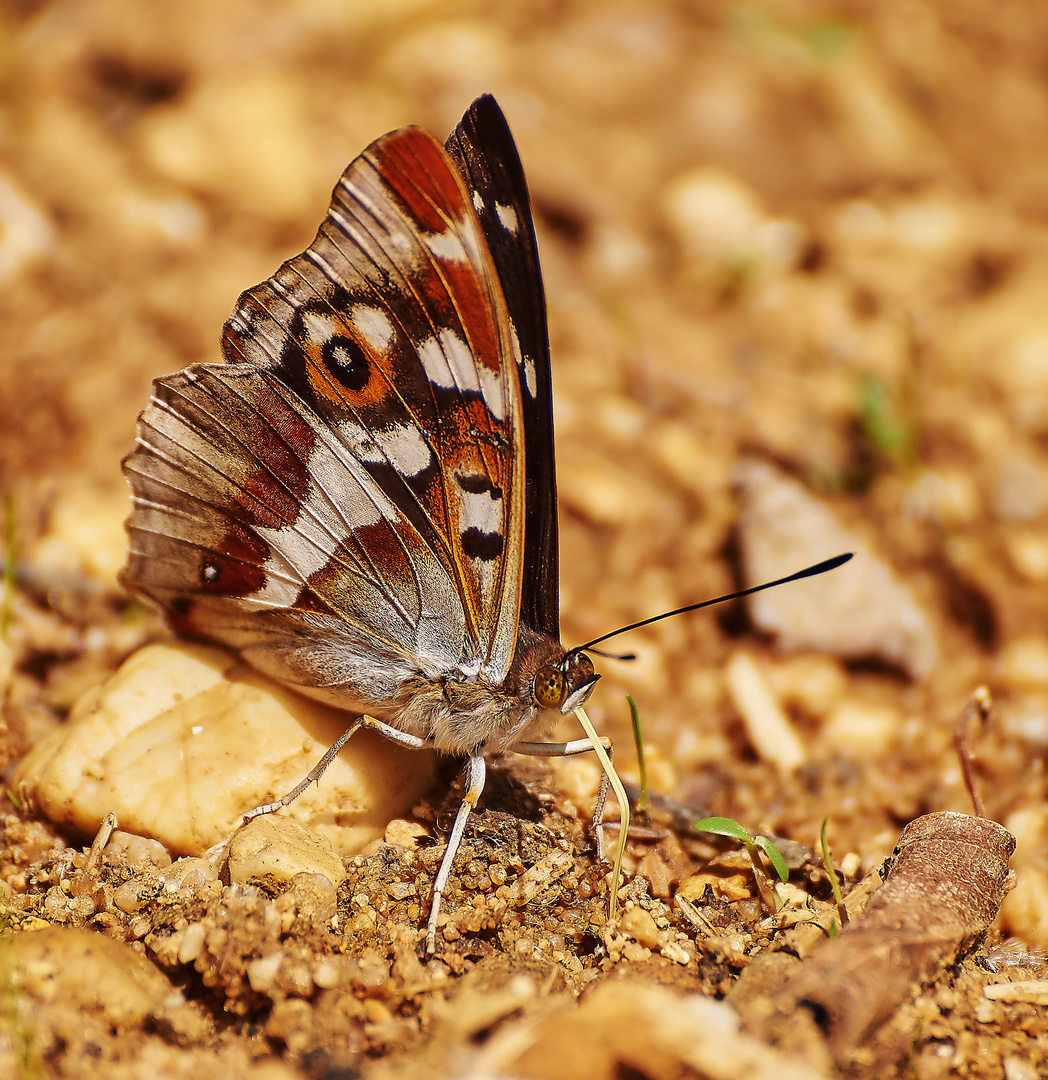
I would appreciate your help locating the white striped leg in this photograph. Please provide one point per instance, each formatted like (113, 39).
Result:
(475, 774)
(320, 768)
(567, 749)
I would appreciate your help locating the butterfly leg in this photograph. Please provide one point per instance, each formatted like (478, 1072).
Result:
(320, 768)
(476, 773)
(567, 749)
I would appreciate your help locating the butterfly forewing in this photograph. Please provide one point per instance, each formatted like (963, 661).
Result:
(483, 148)
(357, 462)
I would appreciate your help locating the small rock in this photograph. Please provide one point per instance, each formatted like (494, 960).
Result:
(262, 972)
(767, 726)
(26, 232)
(715, 216)
(405, 834)
(87, 970)
(192, 943)
(85, 536)
(860, 611)
(1028, 551)
(677, 953)
(326, 974)
(862, 730)
(1024, 718)
(1022, 489)
(813, 683)
(639, 925)
(248, 135)
(279, 848)
(1025, 661)
(189, 872)
(133, 895)
(183, 739)
(312, 896)
(136, 850)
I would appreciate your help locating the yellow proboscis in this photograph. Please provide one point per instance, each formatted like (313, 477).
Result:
(620, 798)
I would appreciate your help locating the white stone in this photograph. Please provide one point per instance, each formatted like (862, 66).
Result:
(183, 739)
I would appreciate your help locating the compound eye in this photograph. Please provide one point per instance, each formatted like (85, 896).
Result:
(580, 669)
(550, 687)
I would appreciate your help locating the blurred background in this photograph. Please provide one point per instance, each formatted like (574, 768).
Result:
(814, 234)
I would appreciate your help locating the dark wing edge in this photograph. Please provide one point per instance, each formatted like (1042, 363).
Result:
(483, 149)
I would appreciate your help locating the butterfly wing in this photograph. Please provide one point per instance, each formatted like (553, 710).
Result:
(349, 489)
(483, 148)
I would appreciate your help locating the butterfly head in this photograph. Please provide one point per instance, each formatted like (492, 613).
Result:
(565, 684)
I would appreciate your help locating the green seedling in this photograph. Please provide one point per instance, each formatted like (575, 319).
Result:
(835, 885)
(9, 566)
(756, 845)
(884, 426)
(638, 742)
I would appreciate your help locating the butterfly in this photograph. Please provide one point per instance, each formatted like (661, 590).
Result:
(361, 500)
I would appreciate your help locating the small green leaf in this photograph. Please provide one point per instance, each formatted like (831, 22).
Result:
(774, 856)
(724, 826)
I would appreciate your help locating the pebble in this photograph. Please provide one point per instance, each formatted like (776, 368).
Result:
(1025, 718)
(1022, 913)
(725, 886)
(245, 137)
(861, 730)
(1028, 552)
(262, 972)
(1024, 661)
(276, 847)
(768, 728)
(85, 970)
(326, 974)
(133, 895)
(1021, 492)
(136, 850)
(859, 611)
(183, 739)
(814, 683)
(405, 834)
(639, 925)
(26, 232)
(7, 666)
(192, 943)
(85, 536)
(188, 872)
(716, 216)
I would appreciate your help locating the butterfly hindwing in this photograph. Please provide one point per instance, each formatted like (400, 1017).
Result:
(244, 510)
(483, 148)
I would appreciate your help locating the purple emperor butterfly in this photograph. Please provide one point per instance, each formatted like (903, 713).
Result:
(362, 499)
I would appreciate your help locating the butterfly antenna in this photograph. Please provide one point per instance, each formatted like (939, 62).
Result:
(811, 571)
(613, 655)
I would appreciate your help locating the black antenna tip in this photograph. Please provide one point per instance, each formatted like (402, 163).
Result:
(829, 564)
